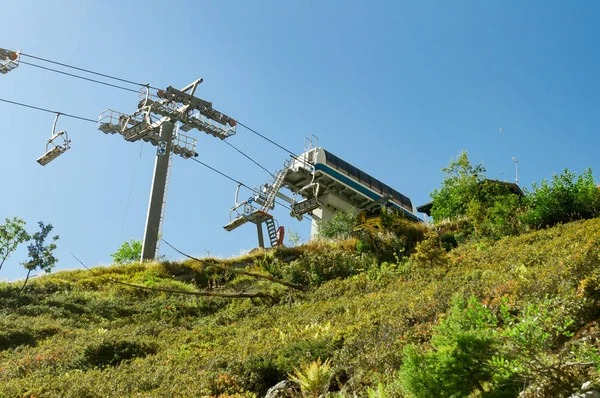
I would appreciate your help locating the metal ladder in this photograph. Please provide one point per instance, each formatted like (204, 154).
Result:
(274, 188)
(272, 231)
(164, 205)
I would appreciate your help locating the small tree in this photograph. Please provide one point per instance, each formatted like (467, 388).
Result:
(340, 226)
(487, 208)
(12, 234)
(128, 252)
(41, 256)
(459, 188)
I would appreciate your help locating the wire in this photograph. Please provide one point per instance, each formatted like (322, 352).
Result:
(135, 91)
(221, 173)
(131, 189)
(80, 77)
(241, 183)
(266, 138)
(49, 111)
(95, 121)
(248, 157)
(88, 71)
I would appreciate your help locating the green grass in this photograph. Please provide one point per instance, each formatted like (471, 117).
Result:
(74, 334)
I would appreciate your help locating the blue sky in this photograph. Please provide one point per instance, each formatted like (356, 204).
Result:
(397, 88)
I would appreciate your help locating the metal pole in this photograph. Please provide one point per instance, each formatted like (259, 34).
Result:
(157, 193)
(261, 241)
(517, 170)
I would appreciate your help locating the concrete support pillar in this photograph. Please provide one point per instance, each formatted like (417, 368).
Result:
(157, 193)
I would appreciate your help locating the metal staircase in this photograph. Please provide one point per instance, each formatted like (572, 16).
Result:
(271, 191)
(265, 197)
(272, 231)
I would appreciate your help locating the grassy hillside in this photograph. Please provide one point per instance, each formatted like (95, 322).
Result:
(488, 320)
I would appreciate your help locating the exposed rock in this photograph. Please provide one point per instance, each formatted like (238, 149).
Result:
(587, 394)
(284, 389)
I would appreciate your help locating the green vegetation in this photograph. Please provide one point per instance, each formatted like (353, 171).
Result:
(484, 304)
(482, 320)
(12, 234)
(468, 206)
(565, 198)
(41, 255)
(313, 378)
(128, 252)
(340, 226)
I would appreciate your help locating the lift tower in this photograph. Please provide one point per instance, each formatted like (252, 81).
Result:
(158, 120)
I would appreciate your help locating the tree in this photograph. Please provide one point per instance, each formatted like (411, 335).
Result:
(41, 256)
(339, 227)
(12, 234)
(488, 208)
(128, 252)
(459, 188)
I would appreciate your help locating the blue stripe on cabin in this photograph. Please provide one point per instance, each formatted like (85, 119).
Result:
(360, 188)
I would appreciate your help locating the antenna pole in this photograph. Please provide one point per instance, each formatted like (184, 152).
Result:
(157, 193)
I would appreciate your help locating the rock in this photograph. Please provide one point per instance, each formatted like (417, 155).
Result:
(587, 394)
(284, 389)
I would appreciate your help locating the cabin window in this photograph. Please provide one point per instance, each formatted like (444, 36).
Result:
(353, 172)
(385, 190)
(376, 185)
(365, 179)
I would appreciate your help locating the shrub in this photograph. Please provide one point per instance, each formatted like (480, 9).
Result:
(314, 268)
(313, 377)
(15, 338)
(457, 365)
(113, 352)
(307, 350)
(339, 227)
(261, 374)
(128, 252)
(567, 197)
(429, 252)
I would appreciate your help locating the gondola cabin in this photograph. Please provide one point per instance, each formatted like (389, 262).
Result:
(327, 183)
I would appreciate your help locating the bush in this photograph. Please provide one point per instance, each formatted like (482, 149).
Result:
(458, 364)
(15, 338)
(261, 374)
(314, 268)
(112, 353)
(340, 226)
(128, 252)
(565, 198)
(313, 377)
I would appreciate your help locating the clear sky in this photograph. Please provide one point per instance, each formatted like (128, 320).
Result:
(395, 87)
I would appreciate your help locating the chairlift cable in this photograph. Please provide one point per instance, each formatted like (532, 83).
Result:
(95, 122)
(127, 89)
(267, 138)
(49, 111)
(249, 158)
(239, 182)
(88, 71)
(79, 77)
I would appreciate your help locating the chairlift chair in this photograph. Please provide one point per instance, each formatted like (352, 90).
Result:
(9, 60)
(58, 144)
